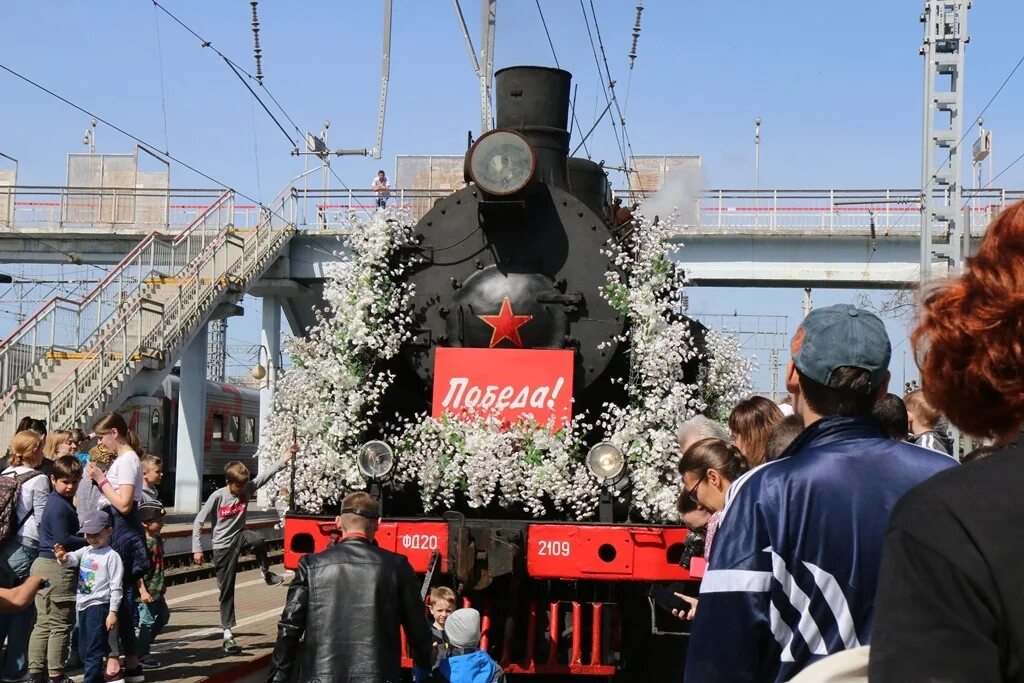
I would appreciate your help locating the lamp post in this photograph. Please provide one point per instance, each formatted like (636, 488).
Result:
(757, 171)
(89, 139)
(260, 371)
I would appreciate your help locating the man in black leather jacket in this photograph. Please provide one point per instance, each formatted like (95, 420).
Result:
(349, 601)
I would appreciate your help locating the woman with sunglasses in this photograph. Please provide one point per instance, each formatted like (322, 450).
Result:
(708, 468)
(121, 489)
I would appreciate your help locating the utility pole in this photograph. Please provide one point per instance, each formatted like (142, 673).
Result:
(945, 40)
(484, 66)
(942, 221)
(490, 12)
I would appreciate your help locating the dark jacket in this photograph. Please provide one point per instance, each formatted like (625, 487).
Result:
(935, 440)
(349, 601)
(794, 566)
(59, 525)
(949, 602)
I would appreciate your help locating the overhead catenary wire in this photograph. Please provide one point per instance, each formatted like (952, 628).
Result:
(148, 147)
(71, 256)
(615, 101)
(256, 151)
(547, 33)
(994, 178)
(583, 140)
(239, 71)
(160, 62)
(974, 121)
(601, 80)
(554, 55)
(632, 53)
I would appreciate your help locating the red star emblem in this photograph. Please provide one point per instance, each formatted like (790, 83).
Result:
(506, 324)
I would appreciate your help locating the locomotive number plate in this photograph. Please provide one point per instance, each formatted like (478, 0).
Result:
(605, 552)
(416, 541)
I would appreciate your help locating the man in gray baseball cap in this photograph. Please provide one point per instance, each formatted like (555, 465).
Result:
(795, 564)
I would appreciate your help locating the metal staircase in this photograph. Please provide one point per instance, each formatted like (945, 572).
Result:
(73, 360)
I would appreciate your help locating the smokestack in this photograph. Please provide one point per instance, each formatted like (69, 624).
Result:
(534, 100)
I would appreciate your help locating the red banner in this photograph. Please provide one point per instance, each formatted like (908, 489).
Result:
(507, 383)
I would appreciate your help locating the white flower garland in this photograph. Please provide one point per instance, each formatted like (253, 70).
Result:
(330, 395)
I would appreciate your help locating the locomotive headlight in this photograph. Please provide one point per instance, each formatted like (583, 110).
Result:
(606, 462)
(375, 460)
(502, 162)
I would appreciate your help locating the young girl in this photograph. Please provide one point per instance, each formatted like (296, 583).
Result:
(121, 488)
(751, 423)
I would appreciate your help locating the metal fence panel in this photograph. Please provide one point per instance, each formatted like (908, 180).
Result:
(8, 179)
(669, 183)
(107, 173)
(152, 198)
(435, 174)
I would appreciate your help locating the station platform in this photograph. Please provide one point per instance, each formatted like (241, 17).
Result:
(190, 648)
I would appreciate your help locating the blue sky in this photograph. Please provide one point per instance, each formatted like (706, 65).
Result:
(838, 86)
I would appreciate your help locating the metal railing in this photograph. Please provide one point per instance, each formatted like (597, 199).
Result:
(810, 212)
(157, 327)
(830, 211)
(35, 208)
(41, 207)
(64, 325)
(319, 209)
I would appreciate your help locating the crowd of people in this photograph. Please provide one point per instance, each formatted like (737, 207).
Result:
(844, 540)
(82, 564)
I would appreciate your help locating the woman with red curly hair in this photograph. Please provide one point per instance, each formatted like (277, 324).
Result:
(950, 602)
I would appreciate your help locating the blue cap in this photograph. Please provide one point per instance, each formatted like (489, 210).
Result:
(95, 522)
(838, 336)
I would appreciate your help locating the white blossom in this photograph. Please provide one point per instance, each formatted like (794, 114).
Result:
(329, 399)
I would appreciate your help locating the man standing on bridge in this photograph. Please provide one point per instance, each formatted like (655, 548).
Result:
(349, 601)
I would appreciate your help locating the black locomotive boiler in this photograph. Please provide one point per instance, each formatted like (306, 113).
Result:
(526, 237)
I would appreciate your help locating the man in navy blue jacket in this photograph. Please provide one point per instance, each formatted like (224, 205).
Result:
(794, 568)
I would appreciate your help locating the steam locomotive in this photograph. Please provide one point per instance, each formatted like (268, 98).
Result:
(517, 260)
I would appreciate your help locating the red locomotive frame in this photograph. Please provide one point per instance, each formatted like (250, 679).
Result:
(567, 551)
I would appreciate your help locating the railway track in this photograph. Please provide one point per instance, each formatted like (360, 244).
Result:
(180, 568)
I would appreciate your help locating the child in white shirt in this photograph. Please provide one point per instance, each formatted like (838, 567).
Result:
(99, 592)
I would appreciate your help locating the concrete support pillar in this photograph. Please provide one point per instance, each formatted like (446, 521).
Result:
(188, 475)
(270, 338)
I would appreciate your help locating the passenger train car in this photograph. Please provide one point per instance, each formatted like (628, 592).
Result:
(231, 432)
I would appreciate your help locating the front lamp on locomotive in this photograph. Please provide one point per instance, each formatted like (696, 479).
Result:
(510, 322)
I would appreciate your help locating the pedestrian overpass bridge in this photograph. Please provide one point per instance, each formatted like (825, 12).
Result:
(181, 258)
(862, 239)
